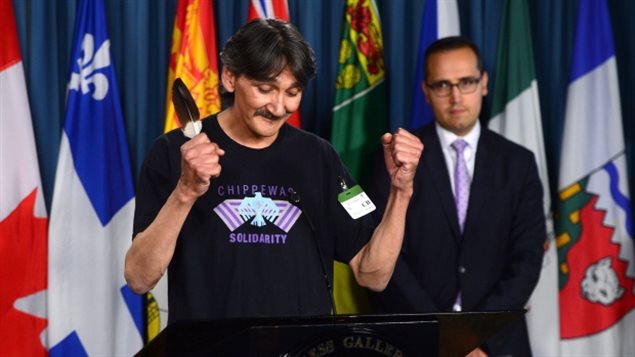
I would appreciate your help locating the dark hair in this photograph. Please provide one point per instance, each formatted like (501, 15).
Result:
(452, 43)
(263, 48)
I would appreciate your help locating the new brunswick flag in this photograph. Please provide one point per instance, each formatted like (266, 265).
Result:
(193, 58)
(359, 116)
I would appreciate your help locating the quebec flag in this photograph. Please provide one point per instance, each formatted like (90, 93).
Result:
(594, 231)
(440, 19)
(91, 310)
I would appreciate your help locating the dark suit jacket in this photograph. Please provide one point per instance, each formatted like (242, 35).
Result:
(496, 262)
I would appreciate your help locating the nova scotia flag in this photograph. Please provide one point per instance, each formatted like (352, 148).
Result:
(440, 19)
(91, 310)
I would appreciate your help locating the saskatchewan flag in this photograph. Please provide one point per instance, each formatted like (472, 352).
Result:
(359, 117)
(516, 115)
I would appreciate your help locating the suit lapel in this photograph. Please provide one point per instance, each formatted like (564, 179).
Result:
(481, 188)
(435, 166)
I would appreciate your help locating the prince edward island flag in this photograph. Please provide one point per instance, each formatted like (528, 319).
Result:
(595, 223)
(91, 310)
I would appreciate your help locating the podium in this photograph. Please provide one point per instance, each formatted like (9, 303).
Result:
(436, 334)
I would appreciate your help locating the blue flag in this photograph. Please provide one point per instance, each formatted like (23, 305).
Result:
(595, 226)
(91, 309)
(440, 19)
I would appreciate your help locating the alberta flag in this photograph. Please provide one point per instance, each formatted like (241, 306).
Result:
(595, 223)
(516, 116)
(91, 310)
(23, 219)
(440, 19)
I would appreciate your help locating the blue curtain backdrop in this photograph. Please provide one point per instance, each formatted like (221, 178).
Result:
(141, 32)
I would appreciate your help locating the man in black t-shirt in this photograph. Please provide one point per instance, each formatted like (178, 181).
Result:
(258, 238)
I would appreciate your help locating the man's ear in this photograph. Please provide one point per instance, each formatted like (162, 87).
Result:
(484, 79)
(426, 91)
(228, 78)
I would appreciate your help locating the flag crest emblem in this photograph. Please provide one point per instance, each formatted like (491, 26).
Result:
(597, 269)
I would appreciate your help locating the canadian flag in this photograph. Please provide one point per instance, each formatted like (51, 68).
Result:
(23, 219)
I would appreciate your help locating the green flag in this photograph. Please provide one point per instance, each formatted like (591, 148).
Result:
(359, 117)
(516, 115)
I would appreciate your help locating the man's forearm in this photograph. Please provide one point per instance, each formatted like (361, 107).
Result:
(374, 264)
(152, 250)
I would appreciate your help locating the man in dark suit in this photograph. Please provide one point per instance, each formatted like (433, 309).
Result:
(475, 225)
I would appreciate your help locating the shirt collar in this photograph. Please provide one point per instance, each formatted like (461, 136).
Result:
(447, 137)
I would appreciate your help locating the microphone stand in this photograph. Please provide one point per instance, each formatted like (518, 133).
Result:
(295, 199)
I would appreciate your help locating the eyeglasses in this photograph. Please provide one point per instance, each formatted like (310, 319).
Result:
(465, 85)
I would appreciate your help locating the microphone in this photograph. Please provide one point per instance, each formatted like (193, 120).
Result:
(294, 198)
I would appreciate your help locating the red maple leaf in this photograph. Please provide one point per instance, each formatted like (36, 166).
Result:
(22, 273)
(579, 316)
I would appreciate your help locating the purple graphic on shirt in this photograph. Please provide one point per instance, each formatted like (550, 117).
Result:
(235, 212)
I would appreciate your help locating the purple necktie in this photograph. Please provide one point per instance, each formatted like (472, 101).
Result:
(461, 182)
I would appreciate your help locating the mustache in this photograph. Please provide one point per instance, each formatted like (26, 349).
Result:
(269, 115)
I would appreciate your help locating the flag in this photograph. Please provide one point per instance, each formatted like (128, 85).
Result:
(273, 9)
(595, 222)
(91, 309)
(359, 117)
(516, 115)
(268, 9)
(23, 220)
(440, 19)
(193, 59)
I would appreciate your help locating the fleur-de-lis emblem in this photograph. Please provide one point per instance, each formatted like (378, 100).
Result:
(88, 63)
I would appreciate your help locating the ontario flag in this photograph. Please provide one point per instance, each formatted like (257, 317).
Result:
(91, 309)
(23, 221)
(268, 9)
(193, 58)
(273, 9)
(595, 222)
(440, 19)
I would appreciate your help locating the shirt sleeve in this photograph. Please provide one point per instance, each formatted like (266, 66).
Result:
(157, 180)
(350, 234)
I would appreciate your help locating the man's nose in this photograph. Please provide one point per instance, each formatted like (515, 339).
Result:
(276, 105)
(455, 94)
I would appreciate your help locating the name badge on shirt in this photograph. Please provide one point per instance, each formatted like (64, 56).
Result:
(356, 202)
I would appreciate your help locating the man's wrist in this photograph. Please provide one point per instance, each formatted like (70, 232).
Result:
(403, 192)
(185, 194)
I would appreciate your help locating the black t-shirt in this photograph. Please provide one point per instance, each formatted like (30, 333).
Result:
(247, 248)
